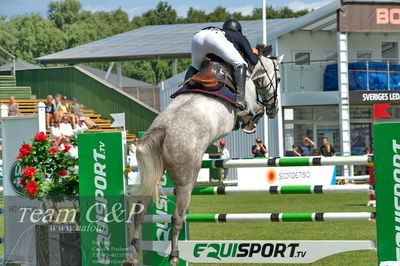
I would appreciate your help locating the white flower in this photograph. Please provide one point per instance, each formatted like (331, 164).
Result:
(73, 169)
(73, 152)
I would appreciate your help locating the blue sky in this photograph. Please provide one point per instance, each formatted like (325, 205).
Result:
(12, 8)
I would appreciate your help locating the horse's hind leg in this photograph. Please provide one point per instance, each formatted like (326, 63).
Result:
(134, 248)
(183, 194)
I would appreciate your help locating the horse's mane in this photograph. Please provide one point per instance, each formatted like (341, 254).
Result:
(265, 50)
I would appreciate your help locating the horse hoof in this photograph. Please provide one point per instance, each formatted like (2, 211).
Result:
(128, 264)
(174, 258)
(249, 128)
(174, 261)
(131, 256)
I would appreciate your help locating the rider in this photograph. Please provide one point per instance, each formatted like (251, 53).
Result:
(233, 47)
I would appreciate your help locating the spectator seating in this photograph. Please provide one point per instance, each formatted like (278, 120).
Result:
(29, 107)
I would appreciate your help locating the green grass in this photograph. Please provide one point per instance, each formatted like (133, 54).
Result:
(363, 230)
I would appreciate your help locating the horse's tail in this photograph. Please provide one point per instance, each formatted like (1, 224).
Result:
(150, 161)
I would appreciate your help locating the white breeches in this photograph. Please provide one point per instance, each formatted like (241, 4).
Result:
(214, 42)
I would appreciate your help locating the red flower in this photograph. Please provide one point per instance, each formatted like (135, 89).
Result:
(20, 156)
(22, 182)
(63, 172)
(29, 172)
(25, 149)
(67, 147)
(41, 137)
(53, 150)
(32, 188)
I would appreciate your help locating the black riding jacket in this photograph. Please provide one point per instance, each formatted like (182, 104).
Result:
(242, 45)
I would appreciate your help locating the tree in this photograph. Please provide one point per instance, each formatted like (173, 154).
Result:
(219, 14)
(195, 16)
(64, 12)
(273, 13)
(68, 26)
(28, 37)
(162, 14)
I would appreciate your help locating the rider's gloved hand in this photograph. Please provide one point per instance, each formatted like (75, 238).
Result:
(255, 51)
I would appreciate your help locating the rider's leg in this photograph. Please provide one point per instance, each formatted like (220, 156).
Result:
(220, 46)
(199, 51)
(240, 82)
(200, 48)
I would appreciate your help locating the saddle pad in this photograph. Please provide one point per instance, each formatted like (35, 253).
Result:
(223, 93)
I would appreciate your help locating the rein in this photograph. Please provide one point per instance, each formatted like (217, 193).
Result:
(269, 86)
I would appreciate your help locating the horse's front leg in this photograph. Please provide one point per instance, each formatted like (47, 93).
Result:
(250, 123)
(183, 194)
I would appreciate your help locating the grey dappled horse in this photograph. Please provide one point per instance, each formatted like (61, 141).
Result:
(180, 135)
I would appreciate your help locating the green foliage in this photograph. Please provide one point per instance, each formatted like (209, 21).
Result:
(67, 26)
(162, 14)
(28, 37)
(64, 12)
(284, 12)
(54, 172)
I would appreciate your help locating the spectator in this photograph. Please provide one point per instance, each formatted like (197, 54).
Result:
(55, 133)
(75, 110)
(80, 127)
(65, 110)
(49, 109)
(65, 127)
(259, 150)
(326, 149)
(304, 149)
(13, 108)
(132, 147)
(368, 151)
(224, 155)
(316, 152)
(73, 151)
(57, 104)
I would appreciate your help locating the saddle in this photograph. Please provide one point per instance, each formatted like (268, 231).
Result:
(212, 74)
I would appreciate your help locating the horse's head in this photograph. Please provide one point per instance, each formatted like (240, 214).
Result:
(266, 78)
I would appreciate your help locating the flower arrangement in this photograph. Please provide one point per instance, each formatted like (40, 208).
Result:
(47, 170)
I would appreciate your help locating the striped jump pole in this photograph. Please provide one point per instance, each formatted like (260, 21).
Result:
(284, 161)
(298, 189)
(287, 161)
(266, 217)
(353, 178)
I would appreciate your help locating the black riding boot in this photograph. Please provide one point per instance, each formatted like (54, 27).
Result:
(240, 82)
(191, 72)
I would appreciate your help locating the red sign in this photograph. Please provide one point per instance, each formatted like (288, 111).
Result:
(380, 111)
